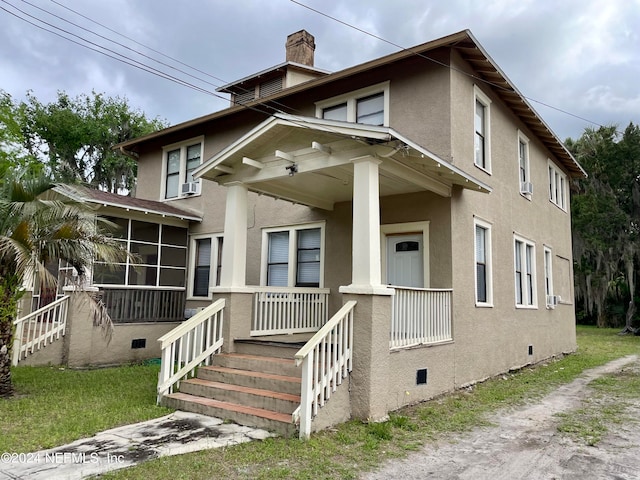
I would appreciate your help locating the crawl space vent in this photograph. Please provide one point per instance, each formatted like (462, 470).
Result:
(421, 376)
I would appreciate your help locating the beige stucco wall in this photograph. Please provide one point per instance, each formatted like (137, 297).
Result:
(433, 106)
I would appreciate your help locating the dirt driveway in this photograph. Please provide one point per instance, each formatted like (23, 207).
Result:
(526, 444)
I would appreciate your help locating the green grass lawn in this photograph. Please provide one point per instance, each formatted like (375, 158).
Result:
(59, 406)
(54, 406)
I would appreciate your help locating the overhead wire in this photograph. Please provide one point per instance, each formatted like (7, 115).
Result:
(437, 62)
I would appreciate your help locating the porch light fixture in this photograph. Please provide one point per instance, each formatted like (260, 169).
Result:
(293, 169)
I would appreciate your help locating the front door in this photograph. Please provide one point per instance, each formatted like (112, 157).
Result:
(405, 263)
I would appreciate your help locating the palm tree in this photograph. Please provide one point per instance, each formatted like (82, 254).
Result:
(37, 228)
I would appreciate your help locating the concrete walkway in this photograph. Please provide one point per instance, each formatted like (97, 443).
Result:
(122, 447)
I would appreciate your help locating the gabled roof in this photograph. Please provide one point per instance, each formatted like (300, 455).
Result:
(309, 160)
(470, 50)
(105, 199)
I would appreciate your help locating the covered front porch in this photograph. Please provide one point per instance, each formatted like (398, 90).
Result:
(324, 164)
(382, 303)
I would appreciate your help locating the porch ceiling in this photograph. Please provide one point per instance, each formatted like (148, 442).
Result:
(309, 161)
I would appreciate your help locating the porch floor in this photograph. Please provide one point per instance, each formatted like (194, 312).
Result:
(290, 339)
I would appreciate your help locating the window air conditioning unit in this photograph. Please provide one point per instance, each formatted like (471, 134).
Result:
(189, 188)
(526, 188)
(553, 300)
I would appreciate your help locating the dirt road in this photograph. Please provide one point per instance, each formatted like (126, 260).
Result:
(526, 443)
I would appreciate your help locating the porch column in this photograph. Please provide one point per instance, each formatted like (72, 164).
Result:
(366, 222)
(234, 250)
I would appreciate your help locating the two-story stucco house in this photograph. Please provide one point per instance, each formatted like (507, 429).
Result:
(416, 202)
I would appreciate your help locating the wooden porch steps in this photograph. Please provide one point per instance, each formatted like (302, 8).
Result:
(246, 388)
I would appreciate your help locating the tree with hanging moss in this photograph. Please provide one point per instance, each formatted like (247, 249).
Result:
(606, 225)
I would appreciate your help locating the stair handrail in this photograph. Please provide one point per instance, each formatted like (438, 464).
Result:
(190, 345)
(53, 323)
(326, 359)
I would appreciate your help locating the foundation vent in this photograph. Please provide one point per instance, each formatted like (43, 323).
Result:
(138, 343)
(530, 350)
(421, 376)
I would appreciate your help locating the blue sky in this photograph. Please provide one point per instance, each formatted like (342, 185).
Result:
(578, 56)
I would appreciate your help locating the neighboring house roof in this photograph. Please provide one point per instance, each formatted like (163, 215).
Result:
(322, 154)
(468, 47)
(99, 198)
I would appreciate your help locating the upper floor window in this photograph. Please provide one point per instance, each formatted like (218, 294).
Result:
(293, 256)
(482, 130)
(483, 263)
(369, 106)
(524, 177)
(557, 186)
(180, 160)
(525, 273)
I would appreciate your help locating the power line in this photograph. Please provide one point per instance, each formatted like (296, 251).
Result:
(437, 62)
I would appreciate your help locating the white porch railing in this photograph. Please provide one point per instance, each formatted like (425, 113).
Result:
(39, 328)
(282, 310)
(420, 316)
(190, 345)
(326, 359)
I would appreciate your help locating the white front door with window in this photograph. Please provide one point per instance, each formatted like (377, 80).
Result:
(405, 262)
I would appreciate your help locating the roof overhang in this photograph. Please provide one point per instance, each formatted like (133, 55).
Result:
(99, 199)
(470, 50)
(310, 161)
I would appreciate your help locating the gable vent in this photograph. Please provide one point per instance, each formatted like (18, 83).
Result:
(244, 97)
(270, 87)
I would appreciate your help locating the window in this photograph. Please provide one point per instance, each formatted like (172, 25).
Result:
(161, 250)
(368, 106)
(483, 263)
(548, 276)
(206, 259)
(482, 143)
(525, 273)
(557, 187)
(293, 256)
(524, 179)
(179, 163)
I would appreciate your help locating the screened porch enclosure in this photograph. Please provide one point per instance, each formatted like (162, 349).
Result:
(151, 285)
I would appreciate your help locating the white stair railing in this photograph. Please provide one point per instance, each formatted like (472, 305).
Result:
(283, 310)
(190, 345)
(326, 359)
(40, 328)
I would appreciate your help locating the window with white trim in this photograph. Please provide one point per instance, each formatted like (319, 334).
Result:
(482, 130)
(525, 272)
(483, 277)
(206, 261)
(557, 187)
(548, 276)
(161, 250)
(524, 178)
(293, 256)
(179, 162)
(369, 106)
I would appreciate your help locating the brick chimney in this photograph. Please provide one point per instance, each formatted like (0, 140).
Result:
(300, 47)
